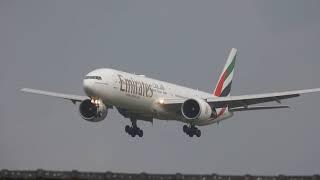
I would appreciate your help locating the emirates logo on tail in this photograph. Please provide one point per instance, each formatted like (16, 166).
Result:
(223, 87)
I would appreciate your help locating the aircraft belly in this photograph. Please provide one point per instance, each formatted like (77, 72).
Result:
(177, 117)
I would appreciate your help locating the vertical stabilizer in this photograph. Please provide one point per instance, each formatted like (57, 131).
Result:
(223, 87)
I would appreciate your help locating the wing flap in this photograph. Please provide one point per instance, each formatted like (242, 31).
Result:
(258, 108)
(73, 98)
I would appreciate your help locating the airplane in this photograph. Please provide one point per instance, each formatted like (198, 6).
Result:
(138, 97)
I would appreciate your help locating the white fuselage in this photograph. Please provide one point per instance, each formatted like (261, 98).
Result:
(141, 95)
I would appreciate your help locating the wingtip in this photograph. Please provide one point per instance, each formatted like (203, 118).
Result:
(24, 89)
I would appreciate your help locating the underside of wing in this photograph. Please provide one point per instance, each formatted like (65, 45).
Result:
(73, 98)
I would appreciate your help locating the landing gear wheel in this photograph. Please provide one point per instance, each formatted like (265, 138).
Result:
(140, 132)
(127, 129)
(198, 133)
(185, 128)
(133, 134)
(134, 130)
(191, 131)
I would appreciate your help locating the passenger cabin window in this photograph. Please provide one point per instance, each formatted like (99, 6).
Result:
(93, 77)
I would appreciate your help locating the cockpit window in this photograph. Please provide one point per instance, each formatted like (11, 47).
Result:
(93, 77)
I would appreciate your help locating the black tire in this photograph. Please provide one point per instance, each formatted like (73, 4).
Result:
(127, 129)
(193, 130)
(198, 133)
(133, 134)
(185, 128)
(140, 133)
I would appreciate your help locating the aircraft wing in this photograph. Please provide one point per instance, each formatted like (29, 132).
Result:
(253, 108)
(244, 101)
(73, 98)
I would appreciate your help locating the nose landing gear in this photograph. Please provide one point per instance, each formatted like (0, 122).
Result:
(134, 129)
(191, 130)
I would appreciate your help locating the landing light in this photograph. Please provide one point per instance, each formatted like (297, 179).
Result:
(96, 101)
(161, 101)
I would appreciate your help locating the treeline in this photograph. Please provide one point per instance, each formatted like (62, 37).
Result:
(76, 175)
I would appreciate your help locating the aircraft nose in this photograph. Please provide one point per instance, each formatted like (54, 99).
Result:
(87, 86)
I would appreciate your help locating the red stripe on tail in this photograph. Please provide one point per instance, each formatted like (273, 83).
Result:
(220, 85)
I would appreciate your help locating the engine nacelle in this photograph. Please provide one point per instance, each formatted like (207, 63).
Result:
(196, 109)
(93, 112)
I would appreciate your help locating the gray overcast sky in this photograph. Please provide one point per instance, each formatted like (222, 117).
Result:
(51, 45)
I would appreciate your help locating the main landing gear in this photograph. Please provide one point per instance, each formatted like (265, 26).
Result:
(134, 129)
(191, 130)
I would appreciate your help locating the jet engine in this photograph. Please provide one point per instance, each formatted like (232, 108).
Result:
(196, 109)
(93, 110)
